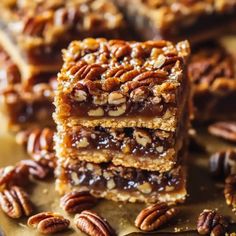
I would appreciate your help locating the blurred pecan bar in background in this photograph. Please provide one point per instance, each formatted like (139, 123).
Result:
(195, 20)
(34, 32)
(212, 71)
(123, 107)
(25, 106)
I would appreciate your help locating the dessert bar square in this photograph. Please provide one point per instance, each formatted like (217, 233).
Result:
(119, 183)
(115, 83)
(34, 32)
(177, 20)
(212, 71)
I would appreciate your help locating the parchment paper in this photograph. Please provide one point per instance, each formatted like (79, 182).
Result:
(203, 191)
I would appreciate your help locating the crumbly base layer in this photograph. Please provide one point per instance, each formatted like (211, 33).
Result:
(122, 184)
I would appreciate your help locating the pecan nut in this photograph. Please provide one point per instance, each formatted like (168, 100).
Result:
(223, 163)
(75, 202)
(225, 130)
(211, 223)
(230, 190)
(93, 225)
(48, 222)
(39, 145)
(15, 202)
(154, 216)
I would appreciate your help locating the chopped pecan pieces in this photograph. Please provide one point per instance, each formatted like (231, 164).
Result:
(225, 130)
(223, 163)
(93, 225)
(39, 145)
(154, 216)
(230, 190)
(75, 202)
(15, 202)
(48, 222)
(212, 223)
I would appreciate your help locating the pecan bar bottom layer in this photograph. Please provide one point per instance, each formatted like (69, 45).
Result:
(122, 184)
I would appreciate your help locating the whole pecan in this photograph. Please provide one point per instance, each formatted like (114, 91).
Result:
(15, 202)
(48, 222)
(75, 202)
(35, 169)
(93, 225)
(212, 223)
(230, 190)
(225, 130)
(223, 163)
(39, 145)
(154, 216)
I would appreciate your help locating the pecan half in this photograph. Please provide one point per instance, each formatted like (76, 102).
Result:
(48, 222)
(35, 169)
(230, 190)
(225, 130)
(15, 202)
(93, 225)
(39, 145)
(212, 223)
(75, 202)
(223, 163)
(154, 216)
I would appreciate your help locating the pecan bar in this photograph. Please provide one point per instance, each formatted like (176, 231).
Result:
(212, 71)
(29, 105)
(119, 183)
(34, 32)
(175, 20)
(123, 84)
(149, 149)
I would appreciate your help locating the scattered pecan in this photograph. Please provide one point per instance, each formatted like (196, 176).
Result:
(35, 169)
(154, 216)
(48, 222)
(212, 223)
(230, 190)
(223, 163)
(14, 175)
(93, 225)
(39, 145)
(75, 202)
(15, 202)
(225, 130)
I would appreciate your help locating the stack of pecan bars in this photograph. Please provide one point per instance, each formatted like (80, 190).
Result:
(122, 119)
(32, 34)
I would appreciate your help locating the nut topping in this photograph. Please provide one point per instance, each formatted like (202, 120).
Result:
(118, 112)
(48, 222)
(223, 163)
(79, 95)
(15, 202)
(116, 98)
(93, 225)
(139, 94)
(225, 130)
(75, 202)
(230, 191)
(154, 216)
(211, 223)
(142, 137)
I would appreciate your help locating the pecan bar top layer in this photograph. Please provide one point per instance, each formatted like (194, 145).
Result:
(122, 84)
(212, 71)
(178, 19)
(34, 32)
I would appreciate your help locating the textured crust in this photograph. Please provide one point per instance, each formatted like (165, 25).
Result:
(173, 197)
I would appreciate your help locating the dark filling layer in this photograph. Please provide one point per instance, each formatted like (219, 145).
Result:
(97, 177)
(145, 108)
(128, 140)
